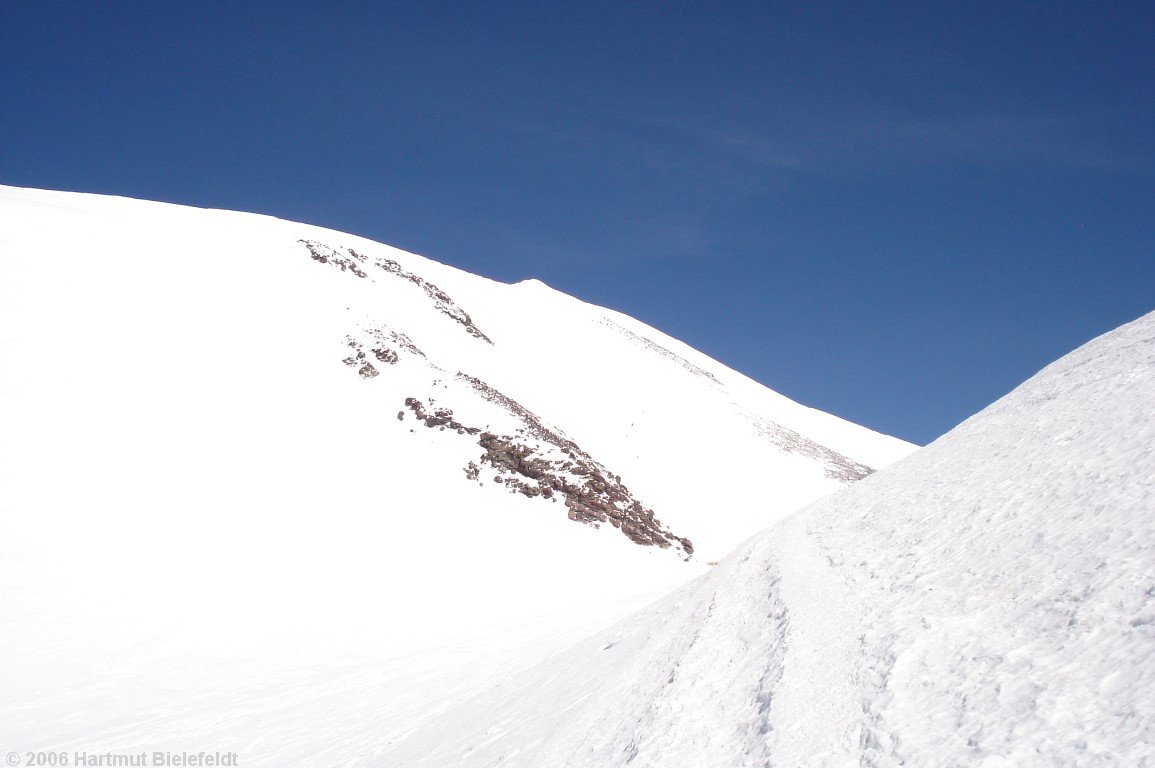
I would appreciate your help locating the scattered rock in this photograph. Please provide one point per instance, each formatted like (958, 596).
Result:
(327, 255)
(351, 261)
(592, 495)
(385, 355)
(441, 417)
(834, 465)
(659, 349)
(357, 360)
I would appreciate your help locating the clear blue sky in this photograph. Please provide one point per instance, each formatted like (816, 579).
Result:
(891, 211)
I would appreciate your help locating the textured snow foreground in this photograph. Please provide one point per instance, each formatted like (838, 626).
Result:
(989, 601)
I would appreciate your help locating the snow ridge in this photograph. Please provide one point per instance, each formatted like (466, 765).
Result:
(988, 602)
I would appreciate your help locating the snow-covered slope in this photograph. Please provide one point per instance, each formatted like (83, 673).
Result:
(989, 602)
(282, 490)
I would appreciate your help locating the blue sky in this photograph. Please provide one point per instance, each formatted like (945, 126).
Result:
(895, 212)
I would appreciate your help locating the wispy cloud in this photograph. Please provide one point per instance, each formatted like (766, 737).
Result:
(825, 144)
(1062, 140)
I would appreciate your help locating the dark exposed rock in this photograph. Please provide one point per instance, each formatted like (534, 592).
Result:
(440, 298)
(327, 255)
(592, 495)
(398, 338)
(385, 355)
(442, 417)
(533, 424)
(352, 261)
(357, 360)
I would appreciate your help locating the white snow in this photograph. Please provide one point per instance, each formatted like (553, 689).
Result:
(214, 534)
(989, 601)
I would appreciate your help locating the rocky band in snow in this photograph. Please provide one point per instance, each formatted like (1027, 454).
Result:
(554, 467)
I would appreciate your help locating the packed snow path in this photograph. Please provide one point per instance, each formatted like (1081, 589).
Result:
(817, 688)
(988, 602)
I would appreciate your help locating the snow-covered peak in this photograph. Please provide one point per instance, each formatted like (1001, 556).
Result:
(515, 359)
(242, 454)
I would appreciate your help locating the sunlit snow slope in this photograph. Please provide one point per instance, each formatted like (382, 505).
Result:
(280, 490)
(988, 602)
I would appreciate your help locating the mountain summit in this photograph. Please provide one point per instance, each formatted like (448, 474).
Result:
(286, 475)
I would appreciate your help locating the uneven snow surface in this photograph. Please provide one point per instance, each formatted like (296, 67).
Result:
(989, 601)
(283, 491)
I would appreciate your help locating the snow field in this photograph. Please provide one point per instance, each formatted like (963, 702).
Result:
(216, 534)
